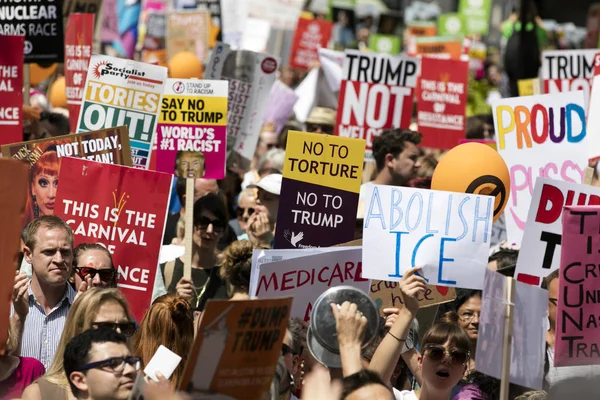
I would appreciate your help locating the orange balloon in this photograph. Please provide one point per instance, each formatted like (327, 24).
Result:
(37, 74)
(185, 65)
(57, 93)
(474, 168)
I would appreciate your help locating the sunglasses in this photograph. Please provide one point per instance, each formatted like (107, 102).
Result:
(285, 349)
(328, 129)
(126, 328)
(437, 353)
(114, 364)
(203, 222)
(106, 275)
(240, 211)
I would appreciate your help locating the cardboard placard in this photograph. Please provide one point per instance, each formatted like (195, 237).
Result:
(310, 35)
(539, 136)
(11, 89)
(376, 94)
(319, 193)
(386, 294)
(192, 132)
(442, 101)
(123, 92)
(79, 38)
(447, 234)
(13, 178)
(124, 209)
(306, 278)
(577, 312)
(237, 347)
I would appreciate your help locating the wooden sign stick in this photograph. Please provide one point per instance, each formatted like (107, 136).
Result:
(589, 176)
(26, 85)
(189, 227)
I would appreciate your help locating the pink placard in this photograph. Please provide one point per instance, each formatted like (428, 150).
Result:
(577, 327)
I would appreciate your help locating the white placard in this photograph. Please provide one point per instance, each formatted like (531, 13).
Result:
(163, 361)
(447, 234)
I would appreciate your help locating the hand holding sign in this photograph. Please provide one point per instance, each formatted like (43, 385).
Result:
(411, 285)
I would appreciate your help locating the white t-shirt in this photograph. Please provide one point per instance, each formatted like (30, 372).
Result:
(404, 395)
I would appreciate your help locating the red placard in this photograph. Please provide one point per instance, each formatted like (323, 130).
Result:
(78, 50)
(441, 101)
(122, 208)
(310, 35)
(597, 64)
(11, 89)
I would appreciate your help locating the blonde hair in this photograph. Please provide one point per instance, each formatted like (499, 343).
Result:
(80, 318)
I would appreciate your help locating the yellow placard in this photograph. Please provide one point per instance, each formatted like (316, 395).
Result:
(525, 87)
(193, 110)
(122, 97)
(325, 160)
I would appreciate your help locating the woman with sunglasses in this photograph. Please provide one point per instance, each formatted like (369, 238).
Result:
(92, 263)
(210, 222)
(445, 347)
(94, 308)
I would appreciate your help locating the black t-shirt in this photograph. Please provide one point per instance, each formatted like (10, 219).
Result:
(207, 284)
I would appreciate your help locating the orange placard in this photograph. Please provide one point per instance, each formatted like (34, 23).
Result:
(422, 29)
(237, 348)
(13, 188)
(437, 45)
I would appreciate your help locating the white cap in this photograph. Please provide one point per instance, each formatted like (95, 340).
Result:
(270, 183)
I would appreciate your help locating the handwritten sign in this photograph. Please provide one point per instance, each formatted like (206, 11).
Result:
(11, 89)
(237, 348)
(311, 34)
(305, 278)
(539, 136)
(376, 94)
(192, 132)
(568, 71)
(123, 92)
(541, 247)
(125, 210)
(578, 304)
(319, 192)
(387, 294)
(593, 118)
(448, 234)
(188, 31)
(442, 100)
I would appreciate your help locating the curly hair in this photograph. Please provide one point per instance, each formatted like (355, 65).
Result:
(237, 265)
(392, 142)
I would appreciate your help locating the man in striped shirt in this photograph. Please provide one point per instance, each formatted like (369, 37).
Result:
(39, 313)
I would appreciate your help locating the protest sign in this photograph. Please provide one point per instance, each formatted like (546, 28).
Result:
(120, 27)
(305, 278)
(449, 46)
(593, 118)
(578, 310)
(386, 44)
(319, 192)
(13, 178)
(125, 210)
(123, 92)
(332, 65)
(376, 94)
(237, 348)
(541, 247)
(154, 47)
(447, 234)
(81, 6)
(387, 294)
(281, 14)
(528, 347)
(476, 14)
(422, 28)
(441, 102)
(568, 71)
(188, 31)
(451, 24)
(234, 15)
(192, 136)
(109, 30)
(280, 105)
(528, 87)
(537, 136)
(311, 34)
(250, 77)
(78, 50)
(216, 22)
(42, 25)
(11, 89)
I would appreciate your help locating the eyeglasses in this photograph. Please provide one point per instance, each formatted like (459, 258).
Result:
(202, 223)
(437, 353)
(114, 364)
(126, 328)
(240, 211)
(553, 301)
(285, 349)
(468, 316)
(328, 129)
(106, 275)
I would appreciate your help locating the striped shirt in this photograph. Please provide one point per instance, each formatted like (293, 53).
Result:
(42, 332)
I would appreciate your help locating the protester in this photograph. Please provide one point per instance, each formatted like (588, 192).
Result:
(321, 120)
(93, 265)
(270, 163)
(292, 352)
(96, 308)
(504, 261)
(468, 310)
(43, 184)
(261, 225)
(168, 322)
(40, 312)
(267, 141)
(49, 124)
(99, 365)
(16, 373)
(246, 207)
(210, 221)
(236, 268)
